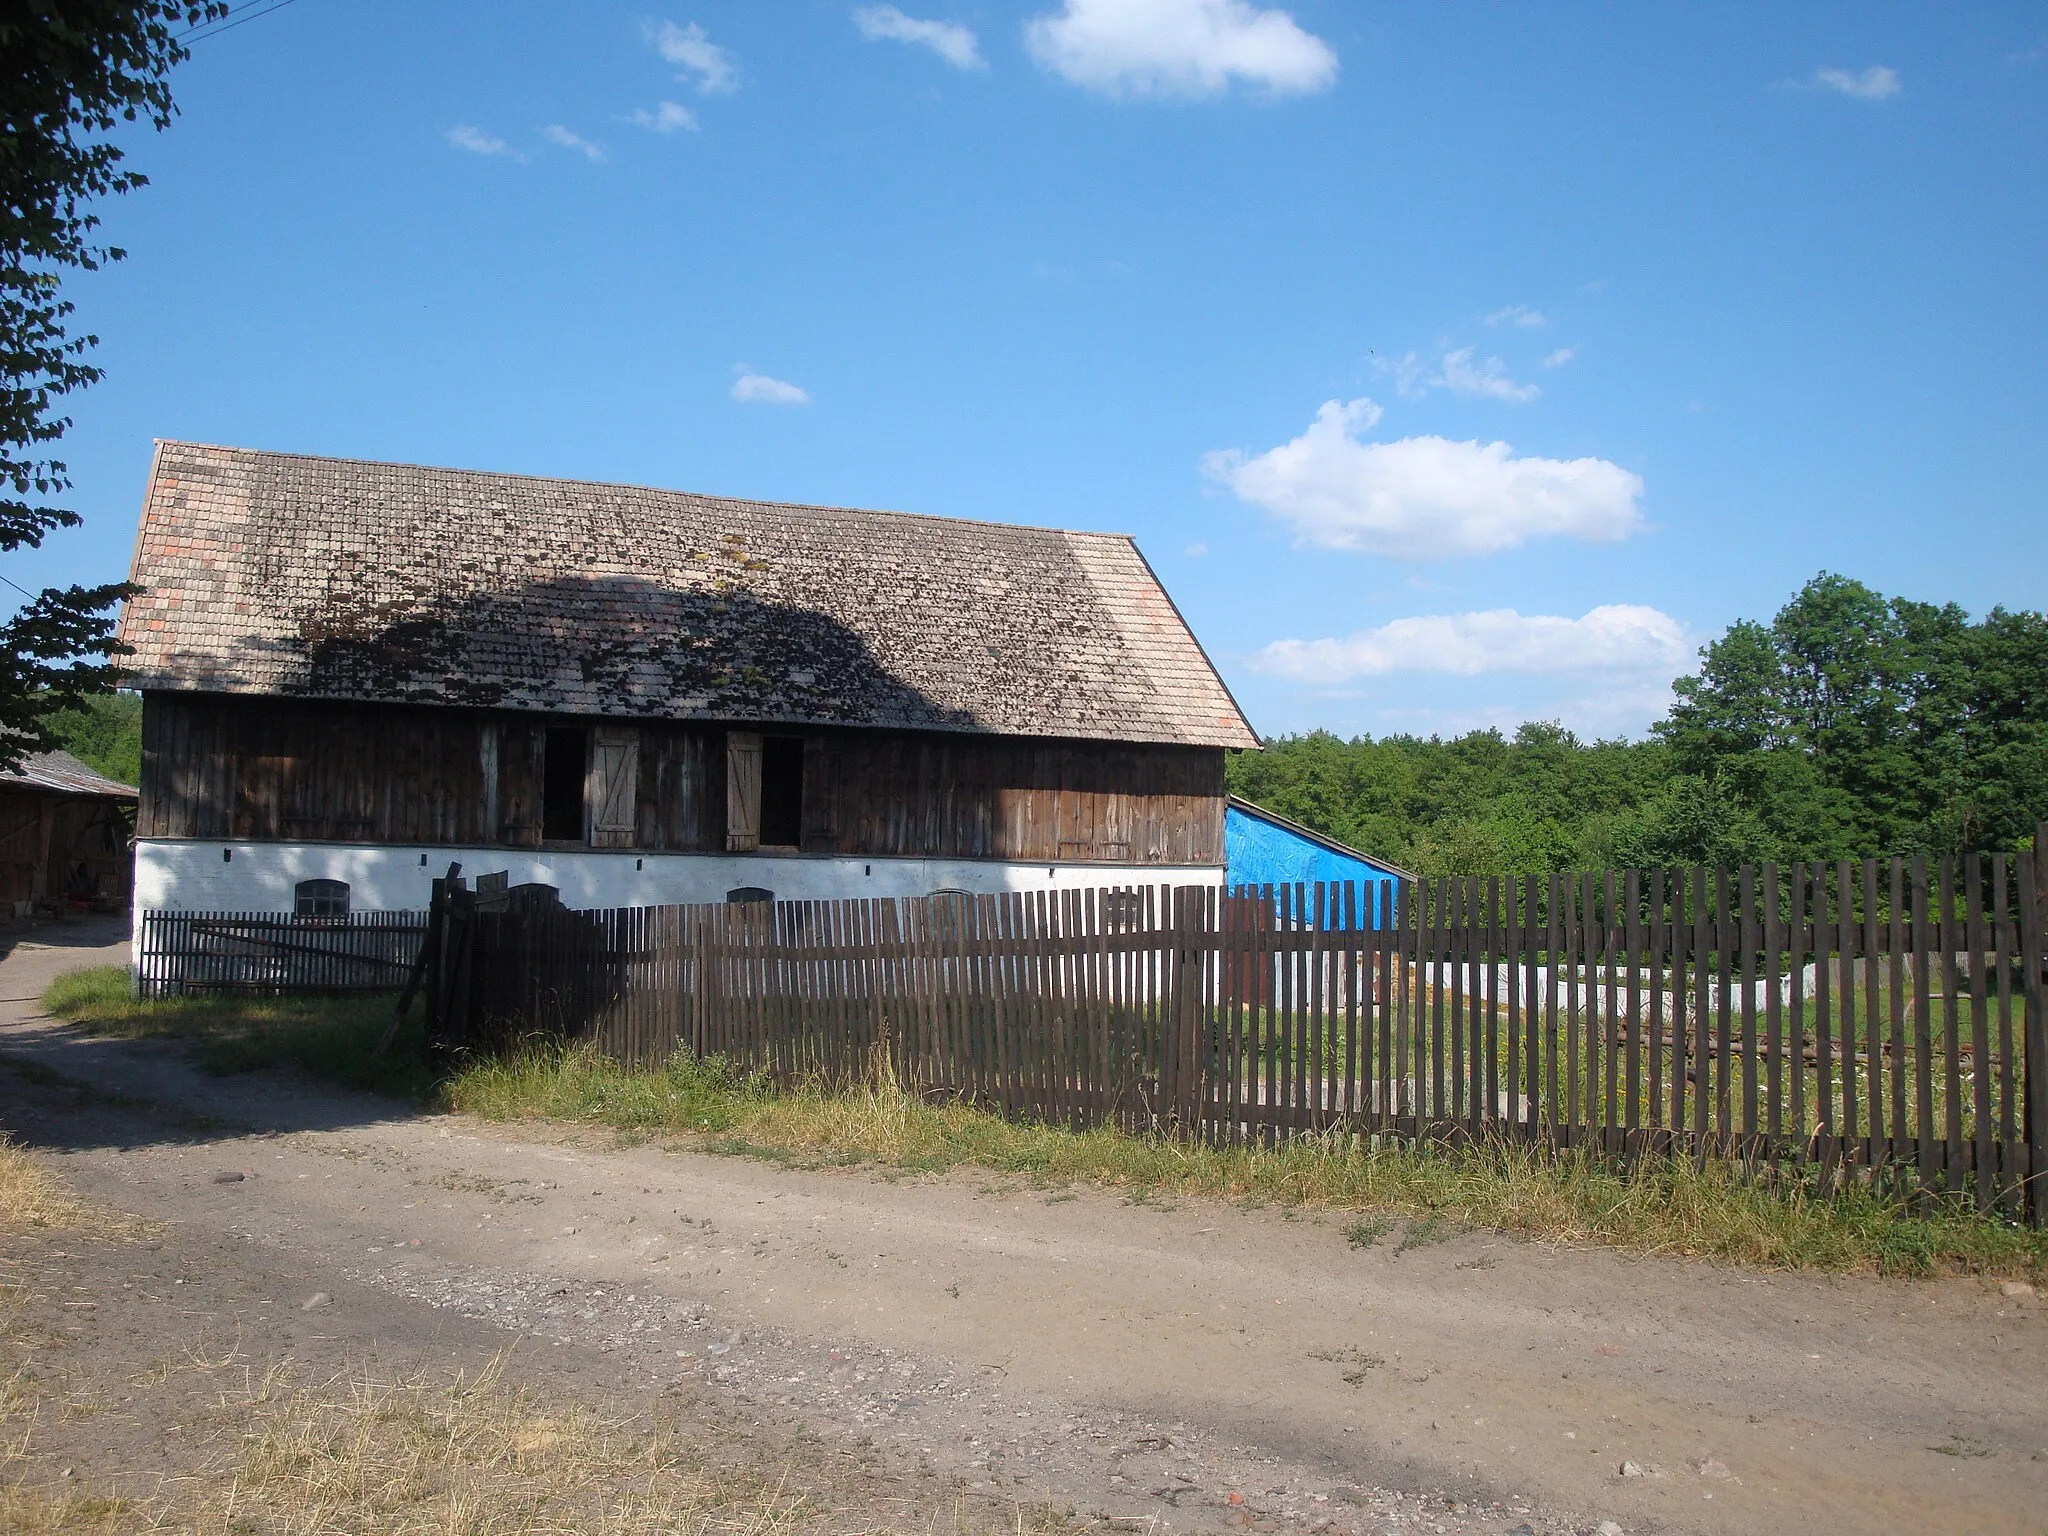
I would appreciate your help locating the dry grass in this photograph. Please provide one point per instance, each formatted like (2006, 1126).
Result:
(368, 1455)
(31, 1196)
(1666, 1207)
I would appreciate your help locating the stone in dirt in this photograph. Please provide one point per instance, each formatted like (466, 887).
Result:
(229, 1176)
(1631, 1469)
(2015, 1288)
(1607, 1528)
(315, 1302)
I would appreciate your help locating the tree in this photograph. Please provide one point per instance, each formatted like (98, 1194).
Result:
(1855, 724)
(71, 71)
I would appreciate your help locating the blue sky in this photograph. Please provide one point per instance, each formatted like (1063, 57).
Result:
(1453, 364)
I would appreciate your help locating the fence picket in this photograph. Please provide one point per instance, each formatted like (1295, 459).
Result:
(1764, 1014)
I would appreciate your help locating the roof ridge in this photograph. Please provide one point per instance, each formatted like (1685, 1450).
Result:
(633, 485)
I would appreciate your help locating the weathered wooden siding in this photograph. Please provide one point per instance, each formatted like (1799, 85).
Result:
(52, 846)
(224, 767)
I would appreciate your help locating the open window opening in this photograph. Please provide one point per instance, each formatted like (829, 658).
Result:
(321, 898)
(565, 766)
(782, 792)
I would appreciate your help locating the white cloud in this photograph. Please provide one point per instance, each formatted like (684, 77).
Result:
(1196, 551)
(1409, 373)
(949, 40)
(1413, 378)
(1560, 357)
(1874, 84)
(1622, 640)
(1488, 380)
(1425, 498)
(666, 117)
(472, 138)
(1518, 314)
(759, 389)
(555, 133)
(1179, 47)
(710, 68)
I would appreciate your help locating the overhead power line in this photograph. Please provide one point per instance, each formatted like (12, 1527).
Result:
(207, 29)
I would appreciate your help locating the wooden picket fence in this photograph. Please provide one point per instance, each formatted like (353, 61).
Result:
(1871, 1021)
(191, 952)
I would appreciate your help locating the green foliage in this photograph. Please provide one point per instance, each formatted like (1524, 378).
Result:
(1482, 803)
(74, 71)
(1435, 1193)
(104, 733)
(577, 1083)
(1851, 725)
(329, 1037)
(1859, 725)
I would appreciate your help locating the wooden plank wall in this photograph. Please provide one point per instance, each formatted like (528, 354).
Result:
(222, 767)
(47, 840)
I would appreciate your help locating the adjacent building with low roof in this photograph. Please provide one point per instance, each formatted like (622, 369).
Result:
(354, 673)
(64, 833)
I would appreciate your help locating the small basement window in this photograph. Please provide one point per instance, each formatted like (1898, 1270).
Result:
(564, 770)
(321, 898)
(782, 792)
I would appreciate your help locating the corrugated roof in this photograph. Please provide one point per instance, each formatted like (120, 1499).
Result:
(64, 773)
(334, 578)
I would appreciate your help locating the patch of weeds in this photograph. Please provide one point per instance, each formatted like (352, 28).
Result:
(478, 1184)
(1059, 1197)
(1367, 1230)
(1420, 1234)
(1666, 1206)
(335, 1038)
(1354, 1363)
(1967, 1447)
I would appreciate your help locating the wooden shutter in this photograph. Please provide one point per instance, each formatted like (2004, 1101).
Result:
(614, 768)
(742, 791)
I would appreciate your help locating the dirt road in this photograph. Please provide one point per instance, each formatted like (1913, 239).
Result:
(1197, 1363)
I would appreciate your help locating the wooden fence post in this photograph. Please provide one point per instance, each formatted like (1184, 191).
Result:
(2033, 900)
(1184, 1088)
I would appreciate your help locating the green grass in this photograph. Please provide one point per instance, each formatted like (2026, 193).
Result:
(1662, 1207)
(329, 1037)
(1669, 1207)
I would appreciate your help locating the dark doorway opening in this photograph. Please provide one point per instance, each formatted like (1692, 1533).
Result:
(563, 770)
(782, 792)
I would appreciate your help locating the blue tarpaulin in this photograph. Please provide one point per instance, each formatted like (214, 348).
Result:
(1261, 848)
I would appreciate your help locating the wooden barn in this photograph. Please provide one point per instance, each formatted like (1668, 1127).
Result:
(64, 833)
(356, 673)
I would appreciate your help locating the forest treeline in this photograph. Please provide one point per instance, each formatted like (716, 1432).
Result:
(1850, 725)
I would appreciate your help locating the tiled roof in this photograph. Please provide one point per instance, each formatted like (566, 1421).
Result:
(64, 773)
(331, 578)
